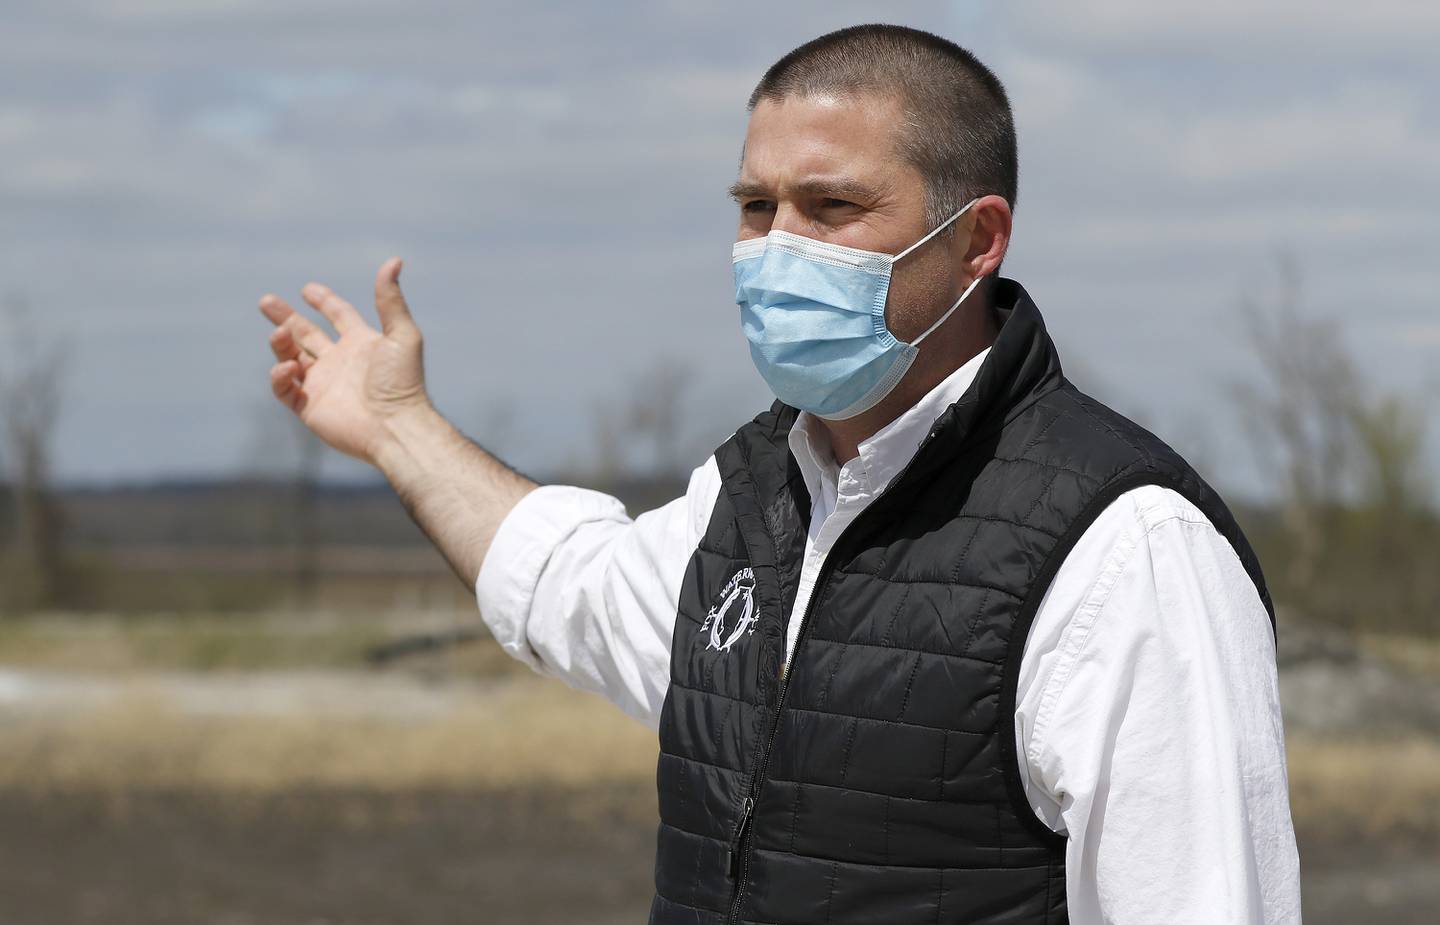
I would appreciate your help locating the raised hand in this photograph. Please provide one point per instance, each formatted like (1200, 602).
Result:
(349, 389)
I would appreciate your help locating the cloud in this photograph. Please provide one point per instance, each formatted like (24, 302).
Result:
(1419, 335)
(554, 175)
(1363, 131)
(1284, 28)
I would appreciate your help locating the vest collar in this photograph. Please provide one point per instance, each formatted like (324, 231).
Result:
(1022, 365)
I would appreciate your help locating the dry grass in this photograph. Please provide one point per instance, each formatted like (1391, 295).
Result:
(1413, 653)
(1349, 789)
(200, 641)
(515, 731)
(529, 732)
(522, 733)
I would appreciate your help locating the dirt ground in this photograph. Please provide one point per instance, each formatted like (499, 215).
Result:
(362, 858)
(313, 858)
(137, 789)
(1378, 882)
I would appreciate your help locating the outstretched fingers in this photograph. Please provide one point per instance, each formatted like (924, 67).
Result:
(282, 344)
(284, 382)
(339, 312)
(305, 334)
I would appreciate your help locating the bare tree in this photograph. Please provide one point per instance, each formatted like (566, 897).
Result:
(1393, 474)
(288, 457)
(1299, 414)
(30, 397)
(1350, 467)
(645, 423)
(606, 462)
(655, 411)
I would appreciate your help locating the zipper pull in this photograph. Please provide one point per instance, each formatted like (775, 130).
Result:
(732, 859)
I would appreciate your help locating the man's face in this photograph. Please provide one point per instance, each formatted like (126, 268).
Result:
(828, 168)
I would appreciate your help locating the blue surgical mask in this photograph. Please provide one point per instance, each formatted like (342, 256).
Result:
(814, 314)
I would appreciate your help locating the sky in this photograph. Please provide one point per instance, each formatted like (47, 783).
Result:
(554, 176)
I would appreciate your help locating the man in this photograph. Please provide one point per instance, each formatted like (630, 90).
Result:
(938, 637)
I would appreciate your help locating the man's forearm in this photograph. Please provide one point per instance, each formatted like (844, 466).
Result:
(456, 491)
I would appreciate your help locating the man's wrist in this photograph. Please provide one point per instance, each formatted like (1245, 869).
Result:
(405, 432)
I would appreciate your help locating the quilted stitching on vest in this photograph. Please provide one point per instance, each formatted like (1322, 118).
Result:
(891, 792)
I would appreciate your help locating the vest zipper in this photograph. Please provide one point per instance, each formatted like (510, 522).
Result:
(741, 842)
(732, 862)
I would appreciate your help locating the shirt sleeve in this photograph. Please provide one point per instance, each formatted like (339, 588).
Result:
(577, 590)
(1149, 728)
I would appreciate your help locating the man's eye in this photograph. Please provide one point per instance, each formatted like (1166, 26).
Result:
(758, 205)
(836, 204)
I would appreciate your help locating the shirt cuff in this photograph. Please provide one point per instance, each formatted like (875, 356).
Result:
(511, 570)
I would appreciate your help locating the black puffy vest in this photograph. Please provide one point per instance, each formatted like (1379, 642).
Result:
(878, 783)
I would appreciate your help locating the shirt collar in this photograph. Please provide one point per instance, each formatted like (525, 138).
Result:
(884, 453)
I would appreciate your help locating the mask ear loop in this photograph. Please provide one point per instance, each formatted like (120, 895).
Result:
(938, 228)
(948, 312)
(968, 289)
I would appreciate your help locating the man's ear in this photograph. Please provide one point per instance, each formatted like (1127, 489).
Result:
(989, 236)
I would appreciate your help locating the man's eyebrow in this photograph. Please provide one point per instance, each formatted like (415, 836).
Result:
(837, 188)
(830, 187)
(743, 189)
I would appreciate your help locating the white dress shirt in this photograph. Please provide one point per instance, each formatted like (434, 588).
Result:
(1147, 716)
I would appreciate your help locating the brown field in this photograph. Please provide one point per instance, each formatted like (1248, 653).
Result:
(157, 773)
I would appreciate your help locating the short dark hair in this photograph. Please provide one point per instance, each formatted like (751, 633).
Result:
(959, 132)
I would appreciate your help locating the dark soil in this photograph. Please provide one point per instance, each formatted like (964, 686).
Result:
(336, 859)
(365, 859)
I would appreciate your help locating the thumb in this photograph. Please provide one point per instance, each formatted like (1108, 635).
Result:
(389, 301)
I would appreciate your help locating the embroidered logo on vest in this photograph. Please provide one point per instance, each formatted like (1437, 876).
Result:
(740, 588)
